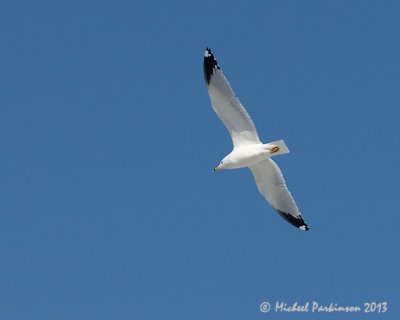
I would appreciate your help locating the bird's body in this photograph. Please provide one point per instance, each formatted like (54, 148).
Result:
(249, 154)
(248, 150)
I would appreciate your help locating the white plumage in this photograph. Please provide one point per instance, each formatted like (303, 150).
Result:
(248, 150)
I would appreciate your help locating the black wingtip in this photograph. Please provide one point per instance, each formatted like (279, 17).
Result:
(297, 222)
(210, 64)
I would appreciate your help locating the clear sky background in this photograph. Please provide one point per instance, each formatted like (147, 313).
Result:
(109, 207)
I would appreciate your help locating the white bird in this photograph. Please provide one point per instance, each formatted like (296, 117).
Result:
(248, 150)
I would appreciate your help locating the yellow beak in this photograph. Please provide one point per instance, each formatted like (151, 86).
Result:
(217, 168)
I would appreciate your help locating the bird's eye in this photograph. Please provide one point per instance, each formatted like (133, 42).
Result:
(221, 162)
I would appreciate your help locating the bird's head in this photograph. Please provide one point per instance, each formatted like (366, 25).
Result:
(222, 165)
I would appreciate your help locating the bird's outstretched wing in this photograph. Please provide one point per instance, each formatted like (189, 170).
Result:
(226, 105)
(270, 182)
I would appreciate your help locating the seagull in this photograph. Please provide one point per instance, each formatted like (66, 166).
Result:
(248, 150)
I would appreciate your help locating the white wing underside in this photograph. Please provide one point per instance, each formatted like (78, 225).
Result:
(271, 184)
(230, 110)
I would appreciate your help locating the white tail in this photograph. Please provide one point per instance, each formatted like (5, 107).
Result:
(281, 145)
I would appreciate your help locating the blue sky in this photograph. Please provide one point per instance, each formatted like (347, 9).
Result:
(109, 207)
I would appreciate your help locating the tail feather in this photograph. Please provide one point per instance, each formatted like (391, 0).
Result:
(281, 145)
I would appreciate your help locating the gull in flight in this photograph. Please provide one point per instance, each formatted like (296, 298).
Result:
(248, 150)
